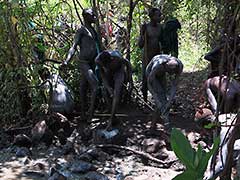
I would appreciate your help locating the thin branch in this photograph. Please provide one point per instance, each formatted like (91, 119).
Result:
(143, 154)
(75, 7)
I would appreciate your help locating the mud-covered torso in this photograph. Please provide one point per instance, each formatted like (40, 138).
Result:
(153, 40)
(87, 41)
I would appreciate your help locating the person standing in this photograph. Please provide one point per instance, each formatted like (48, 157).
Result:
(87, 40)
(150, 39)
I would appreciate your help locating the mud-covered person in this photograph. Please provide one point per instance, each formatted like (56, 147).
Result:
(160, 69)
(60, 96)
(87, 40)
(115, 71)
(229, 91)
(150, 40)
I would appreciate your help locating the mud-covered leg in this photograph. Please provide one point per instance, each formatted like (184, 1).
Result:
(83, 97)
(160, 98)
(118, 84)
(88, 73)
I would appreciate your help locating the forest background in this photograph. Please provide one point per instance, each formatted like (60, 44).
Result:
(204, 22)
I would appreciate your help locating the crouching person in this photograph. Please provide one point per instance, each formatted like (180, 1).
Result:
(60, 97)
(157, 71)
(228, 128)
(114, 71)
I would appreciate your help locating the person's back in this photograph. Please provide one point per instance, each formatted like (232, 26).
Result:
(229, 91)
(62, 99)
(170, 37)
(112, 70)
(157, 71)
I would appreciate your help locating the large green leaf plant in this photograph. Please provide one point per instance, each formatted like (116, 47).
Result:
(196, 161)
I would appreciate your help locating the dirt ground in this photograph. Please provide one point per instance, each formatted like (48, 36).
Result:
(121, 162)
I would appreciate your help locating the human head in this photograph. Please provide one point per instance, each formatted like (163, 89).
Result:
(105, 56)
(155, 14)
(172, 66)
(203, 117)
(89, 15)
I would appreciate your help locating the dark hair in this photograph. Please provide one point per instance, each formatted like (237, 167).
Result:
(87, 11)
(105, 55)
(152, 11)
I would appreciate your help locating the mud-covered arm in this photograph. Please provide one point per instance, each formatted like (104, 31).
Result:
(210, 96)
(73, 48)
(103, 73)
(173, 87)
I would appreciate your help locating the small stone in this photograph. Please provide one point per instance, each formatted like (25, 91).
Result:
(81, 167)
(22, 140)
(93, 175)
(23, 152)
(152, 145)
(57, 176)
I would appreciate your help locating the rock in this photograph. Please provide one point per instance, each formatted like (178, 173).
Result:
(102, 136)
(93, 175)
(68, 148)
(57, 121)
(41, 132)
(177, 166)
(22, 140)
(26, 161)
(97, 154)
(161, 155)
(36, 174)
(61, 137)
(23, 152)
(203, 144)
(152, 145)
(81, 167)
(57, 176)
(40, 165)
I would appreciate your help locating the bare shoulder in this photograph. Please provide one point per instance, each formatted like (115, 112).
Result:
(161, 58)
(82, 30)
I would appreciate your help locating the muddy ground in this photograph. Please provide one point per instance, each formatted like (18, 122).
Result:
(139, 154)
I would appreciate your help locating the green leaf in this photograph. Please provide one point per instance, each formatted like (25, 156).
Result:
(204, 162)
(182, 148)
(210, 125)
(198, 156)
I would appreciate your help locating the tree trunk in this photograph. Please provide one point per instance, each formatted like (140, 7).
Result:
(132, 5)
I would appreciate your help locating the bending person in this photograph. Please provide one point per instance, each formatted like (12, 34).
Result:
(114, 71)
(157, 71)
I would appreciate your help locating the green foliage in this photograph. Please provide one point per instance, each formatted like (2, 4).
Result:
(195, 161)
(199, 20)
